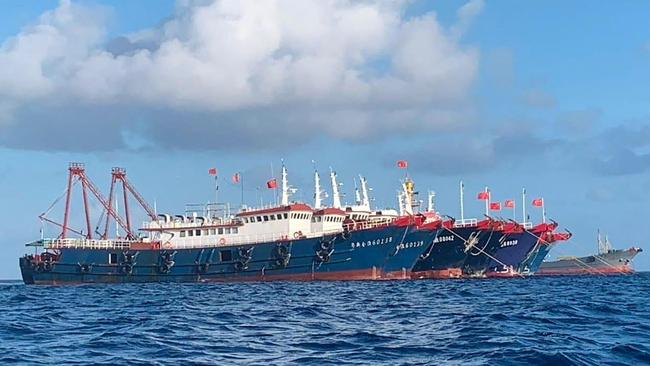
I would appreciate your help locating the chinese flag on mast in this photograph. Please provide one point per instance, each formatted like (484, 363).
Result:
(272, 184)
(509, 204)
(495, 206)
(236, 178)
(402, 164)
(539, 202)
(212, 171)
(484, 196)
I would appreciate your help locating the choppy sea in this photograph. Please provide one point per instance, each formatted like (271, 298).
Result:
(543, 321)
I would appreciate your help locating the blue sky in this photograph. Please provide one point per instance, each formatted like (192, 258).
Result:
(548, 95)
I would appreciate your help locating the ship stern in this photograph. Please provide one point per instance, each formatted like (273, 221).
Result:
(26, 269)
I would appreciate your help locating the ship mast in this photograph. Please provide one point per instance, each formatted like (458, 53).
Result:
(365, 196)
(407, 187)
(319, 193)
(400, 200)
(431, 207)
(357, 194)
(287, 190)
(336, 195)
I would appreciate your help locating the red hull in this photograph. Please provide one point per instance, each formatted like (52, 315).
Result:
(361, 275)
(591, 271)
(438, 274)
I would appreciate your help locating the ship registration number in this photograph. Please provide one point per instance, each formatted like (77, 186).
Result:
(370, 243)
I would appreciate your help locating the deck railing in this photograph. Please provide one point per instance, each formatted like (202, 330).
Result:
(465, 222)
(87, 244)
(197, 241)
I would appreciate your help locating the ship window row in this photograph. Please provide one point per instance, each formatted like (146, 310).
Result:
(208, 232)
(358, 217)
(327, 219)
(300, 216)
(265, 218)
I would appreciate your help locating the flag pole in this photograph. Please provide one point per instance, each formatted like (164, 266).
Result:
(275, 190)
(241, 181)
(543, 211)
(487, 202)
(216, 189)
(462, 202)
(523, 204)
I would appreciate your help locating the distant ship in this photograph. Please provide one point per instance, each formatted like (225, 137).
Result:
(288, 241)
(608, 261)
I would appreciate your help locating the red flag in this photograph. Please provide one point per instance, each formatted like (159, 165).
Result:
(212, 171)
(509, 204)
(495, 206)
(236, 178)
(484, 196)
(538, 202)
(272, 184)
(402, 164)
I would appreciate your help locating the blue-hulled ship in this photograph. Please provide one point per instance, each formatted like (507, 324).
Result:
(290, 241)
(547, 239)
(515, 246)
(463, 248)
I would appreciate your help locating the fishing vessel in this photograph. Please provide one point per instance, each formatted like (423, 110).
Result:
(523, 248)
(463, 248)
(547, 239)
(287, 241)
(608, 261)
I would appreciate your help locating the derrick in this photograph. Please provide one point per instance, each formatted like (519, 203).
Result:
(77, 174)
(118, 175)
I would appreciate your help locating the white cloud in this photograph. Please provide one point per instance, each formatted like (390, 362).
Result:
(357, 62)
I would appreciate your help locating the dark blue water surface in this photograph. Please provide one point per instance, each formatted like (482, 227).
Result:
(554, 321)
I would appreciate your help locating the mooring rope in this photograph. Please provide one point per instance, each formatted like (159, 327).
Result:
(481, 250)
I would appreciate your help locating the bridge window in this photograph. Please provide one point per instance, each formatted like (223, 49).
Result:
(220, 231)
(213, 231)
(286, 216)
(198, 233)
(235, 230)
(266, 218)
(112, 258)
(190, 232)
(259, 218)
(182, 233)
(227, 230)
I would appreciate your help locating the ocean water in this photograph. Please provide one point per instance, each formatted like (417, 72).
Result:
(552, 321)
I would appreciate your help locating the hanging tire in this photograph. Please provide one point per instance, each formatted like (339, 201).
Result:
(127, 268)
(84, 268)
(240, 266)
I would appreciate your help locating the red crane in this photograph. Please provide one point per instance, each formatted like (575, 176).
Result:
(77, 173)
